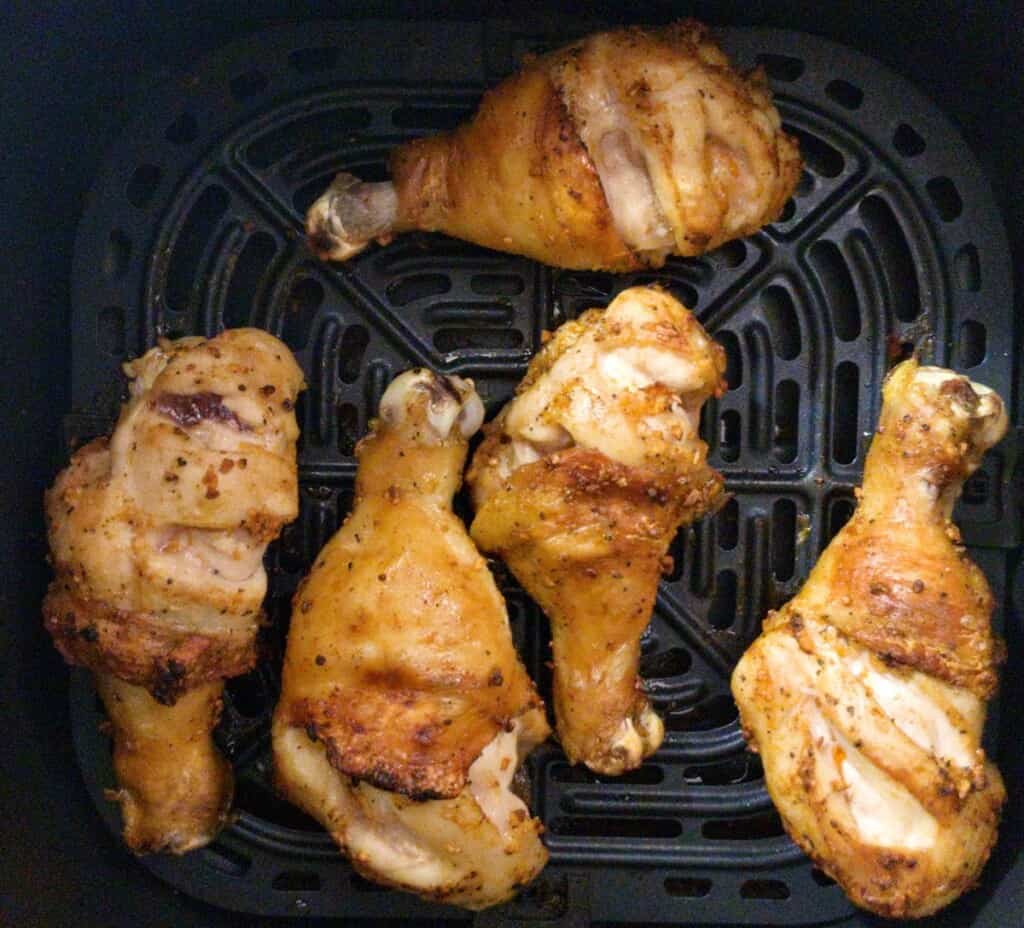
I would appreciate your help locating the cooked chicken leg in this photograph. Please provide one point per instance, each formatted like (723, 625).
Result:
(612, 153)
(581, 484)
(175, 788)
(865, 694)
(158, 537)
(405, 711)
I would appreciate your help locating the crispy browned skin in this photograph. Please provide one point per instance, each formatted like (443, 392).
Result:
(587, 539)
(157, 537)
(401, 675)
(580, 486)
(138, 646)
(611, 153)
(865, 694)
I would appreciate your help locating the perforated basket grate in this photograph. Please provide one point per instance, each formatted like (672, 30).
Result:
(891, 243)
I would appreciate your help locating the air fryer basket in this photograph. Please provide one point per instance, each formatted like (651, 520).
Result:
(892, 243)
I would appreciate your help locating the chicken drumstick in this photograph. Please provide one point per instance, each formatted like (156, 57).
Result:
(611, 153)
(580, 485)
(865, 694)
(405, 710)
(157, 536)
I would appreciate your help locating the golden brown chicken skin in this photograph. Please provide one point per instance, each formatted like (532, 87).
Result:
(865, 694)
(157, 537)
(580, 486)
(611, 153)
(405, 710)
(174, 787)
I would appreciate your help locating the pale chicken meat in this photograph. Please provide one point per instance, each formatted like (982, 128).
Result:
(611, 153)
(405, 711)
(580, 486)
(157, 537)
(865, 694)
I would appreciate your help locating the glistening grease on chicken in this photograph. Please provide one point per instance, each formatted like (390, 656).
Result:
(611, 153)
(580, 485)
(865, 694)
(405, 710)
(157, 536)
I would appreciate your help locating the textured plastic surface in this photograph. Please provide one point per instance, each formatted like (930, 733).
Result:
(891, 242)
